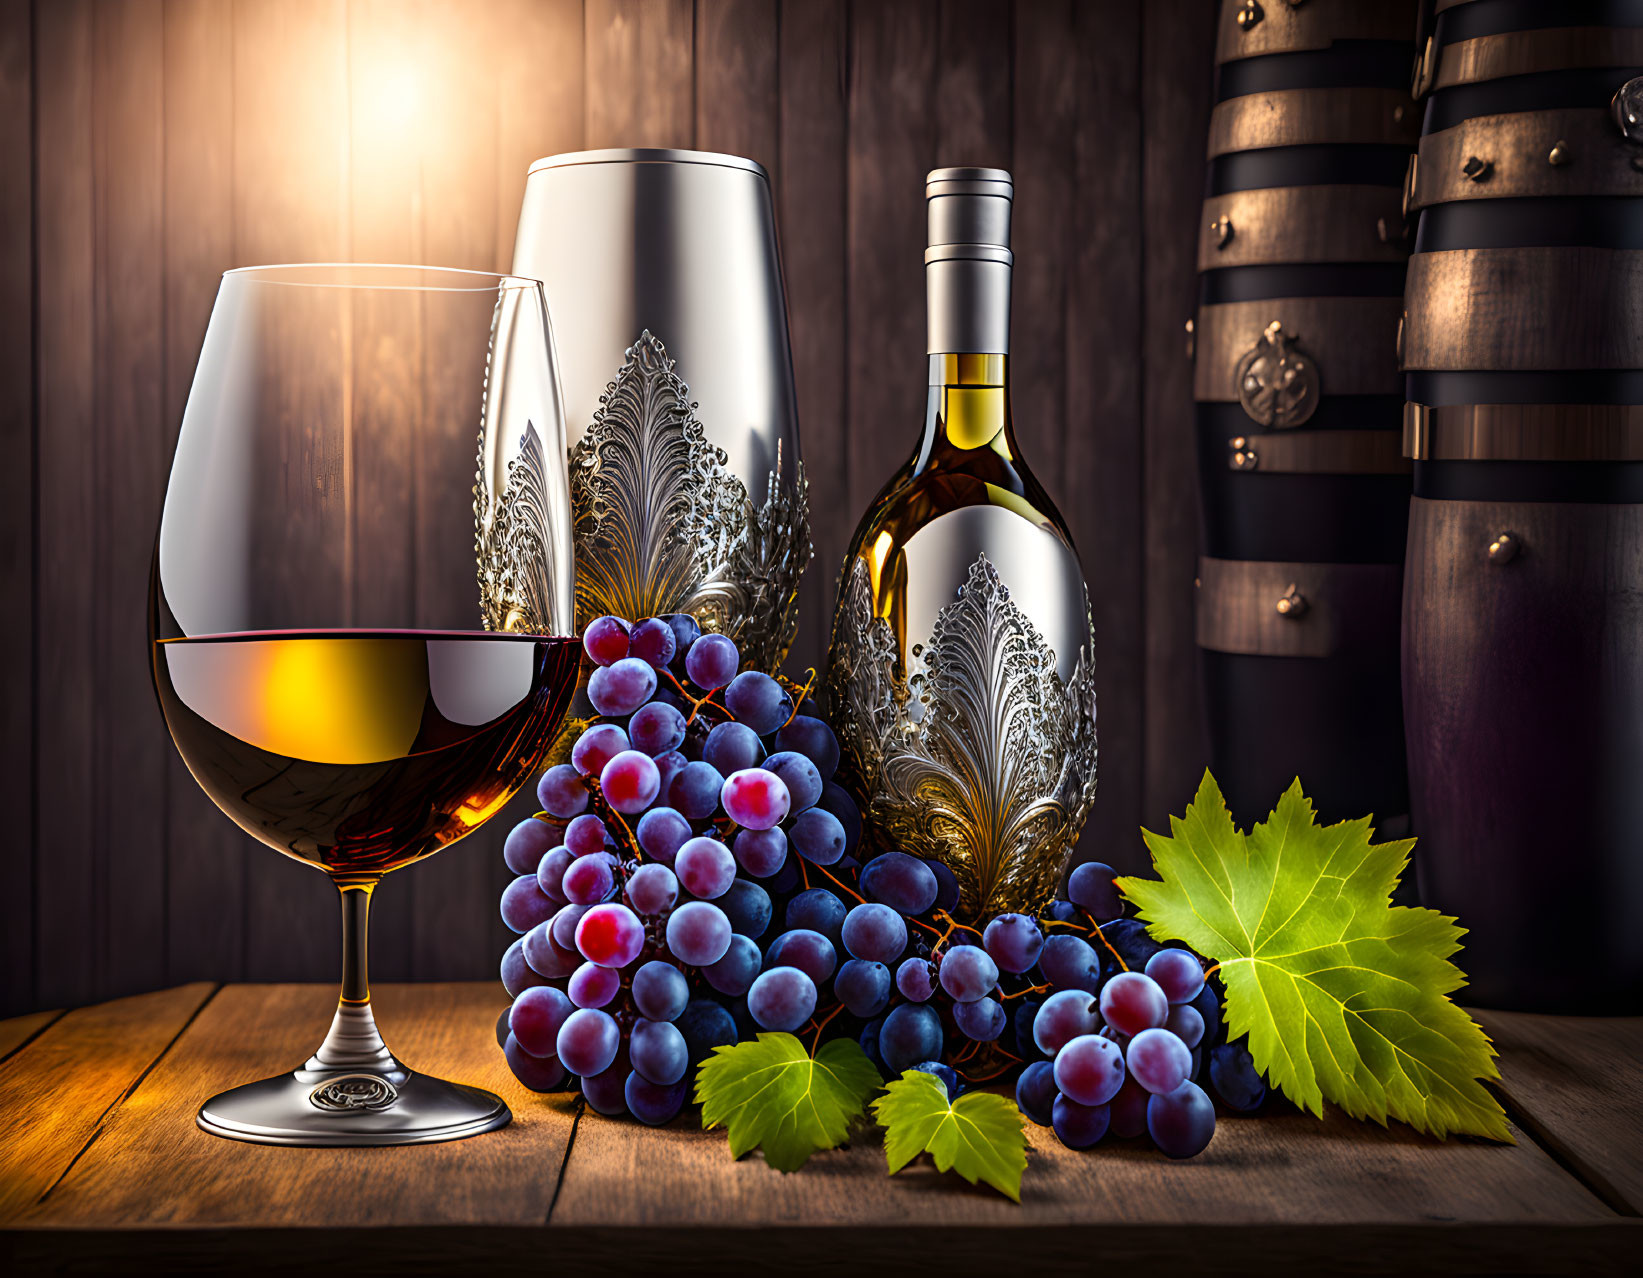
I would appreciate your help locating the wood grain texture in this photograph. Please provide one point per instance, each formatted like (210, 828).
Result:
(1516, 146)
(1175, 93)
(1352, 340)
(638, 67)
(536, 58)
(1287, 28)
(1570, 1082)
(1542, 49)
(18, 1030)
(1523, 707)
(152, 1164)
(811, 198)
(1341, 223)
(17, 500)
(1311, 117)
(205, 865)
(737, 81)
(1342, 607)
(58, 1091)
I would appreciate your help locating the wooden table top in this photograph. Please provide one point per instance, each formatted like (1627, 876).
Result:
(102, 1167)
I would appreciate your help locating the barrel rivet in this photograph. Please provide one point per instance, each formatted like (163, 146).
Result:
(1242, 456)
(1249, 13)
(1397, 115)
(1383, 231)
(1559, 155)
(1504, 548)
(1277, 384)
(1477, 170)
(1627, 108)
(1293, 604)
(1221, 229)
(1192, 340)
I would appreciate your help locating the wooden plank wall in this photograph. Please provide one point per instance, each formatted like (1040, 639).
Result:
(147, 145)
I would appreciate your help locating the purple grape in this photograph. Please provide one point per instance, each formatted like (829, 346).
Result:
(629, 782)
(653, 1103)
(1129, 1109)
(1070, 963)
(561, 792)
(782, 998)
(545, 956)
(733, 974)
(652, 890)
(1035, 1092)
(967, 973)
(1089, 1069)
(706, 1025)
(875, 932)
(593, 986)
(1132, 1002)
(1186, 1024)
(863, 987)
(982, 1019)
(748, 907)
(597, 746)
(622, 688)
(756, 800)
(1182, 1122)
(695, 790)
(732, 747)
(711, 662)
(524, 904)
(606, 1091)
(588, 1041)
(1129, 939)
(685, 633)
(527, 843)
(810, 952)
(1158, 1060)
(660, 991)
(911, 1033)
(947, 1075)
(1061, 911)
(536, 1018)
(698, 933)
(1079, 1126)
(758, 701)
(799, 775)
(1065, 1015)
(653, 642)
(586, 835)
(947, 893)
(1021, 1030)
(761, 852)
(916, 979)
(589, 879)
(668, 766)
(1091, 887)
(1013, 941)
(813, 739)
(538, 1073)
(661, 833)
(819, 910)
(656, 728)
(564, 926)
(610, 935)
(606, 640)
(705, 868)
(657, 1051)
(518, 975)
(1178, 973)
(785, 878)
(550, 875)
(817, 836)
(902, 882)
(1233, 1074)
(836, 799)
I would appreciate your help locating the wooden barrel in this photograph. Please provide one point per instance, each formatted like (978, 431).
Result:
(1522, 349)
(1304, 487)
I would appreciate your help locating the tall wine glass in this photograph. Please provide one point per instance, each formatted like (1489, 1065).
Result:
(359, 644)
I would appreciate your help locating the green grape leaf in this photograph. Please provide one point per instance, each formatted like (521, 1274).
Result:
(980, 1136)
(1344, 996)
(772, 1093)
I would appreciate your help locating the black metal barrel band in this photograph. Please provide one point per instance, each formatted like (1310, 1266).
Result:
(1277, 609)
(1512, 309)
(1563, 152)
(1306, 117)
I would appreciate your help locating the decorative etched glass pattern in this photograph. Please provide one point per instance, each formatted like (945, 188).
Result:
(511, 544)
(981, 757)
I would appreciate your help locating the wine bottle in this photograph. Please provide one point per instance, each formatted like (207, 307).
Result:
(961, 666)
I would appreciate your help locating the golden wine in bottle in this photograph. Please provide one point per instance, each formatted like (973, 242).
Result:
(961, 675)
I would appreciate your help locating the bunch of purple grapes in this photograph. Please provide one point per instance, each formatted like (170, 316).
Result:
(663, 851)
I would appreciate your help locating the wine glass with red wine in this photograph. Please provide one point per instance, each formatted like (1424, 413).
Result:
(361, 634)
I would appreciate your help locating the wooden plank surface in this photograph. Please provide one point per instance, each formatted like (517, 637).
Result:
(153, 1165)
(638, 72)
(17, 1031)
(1573, 1082)
(57, 1092)
(1275, 1190)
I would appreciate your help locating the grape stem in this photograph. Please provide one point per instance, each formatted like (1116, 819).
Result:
(1105, 941)
(837, 882)
(801, 691)
(1212, 971)
(1031, 989)
(822, 1025)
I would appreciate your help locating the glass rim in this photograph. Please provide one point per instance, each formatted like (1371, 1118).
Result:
(279, 273)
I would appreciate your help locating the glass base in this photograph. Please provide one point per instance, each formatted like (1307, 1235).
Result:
(336, 1108)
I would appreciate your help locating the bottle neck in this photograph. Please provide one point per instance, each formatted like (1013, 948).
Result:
(967, 309)
(967, 410)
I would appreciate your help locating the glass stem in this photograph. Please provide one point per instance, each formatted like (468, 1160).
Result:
(353, 1043)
